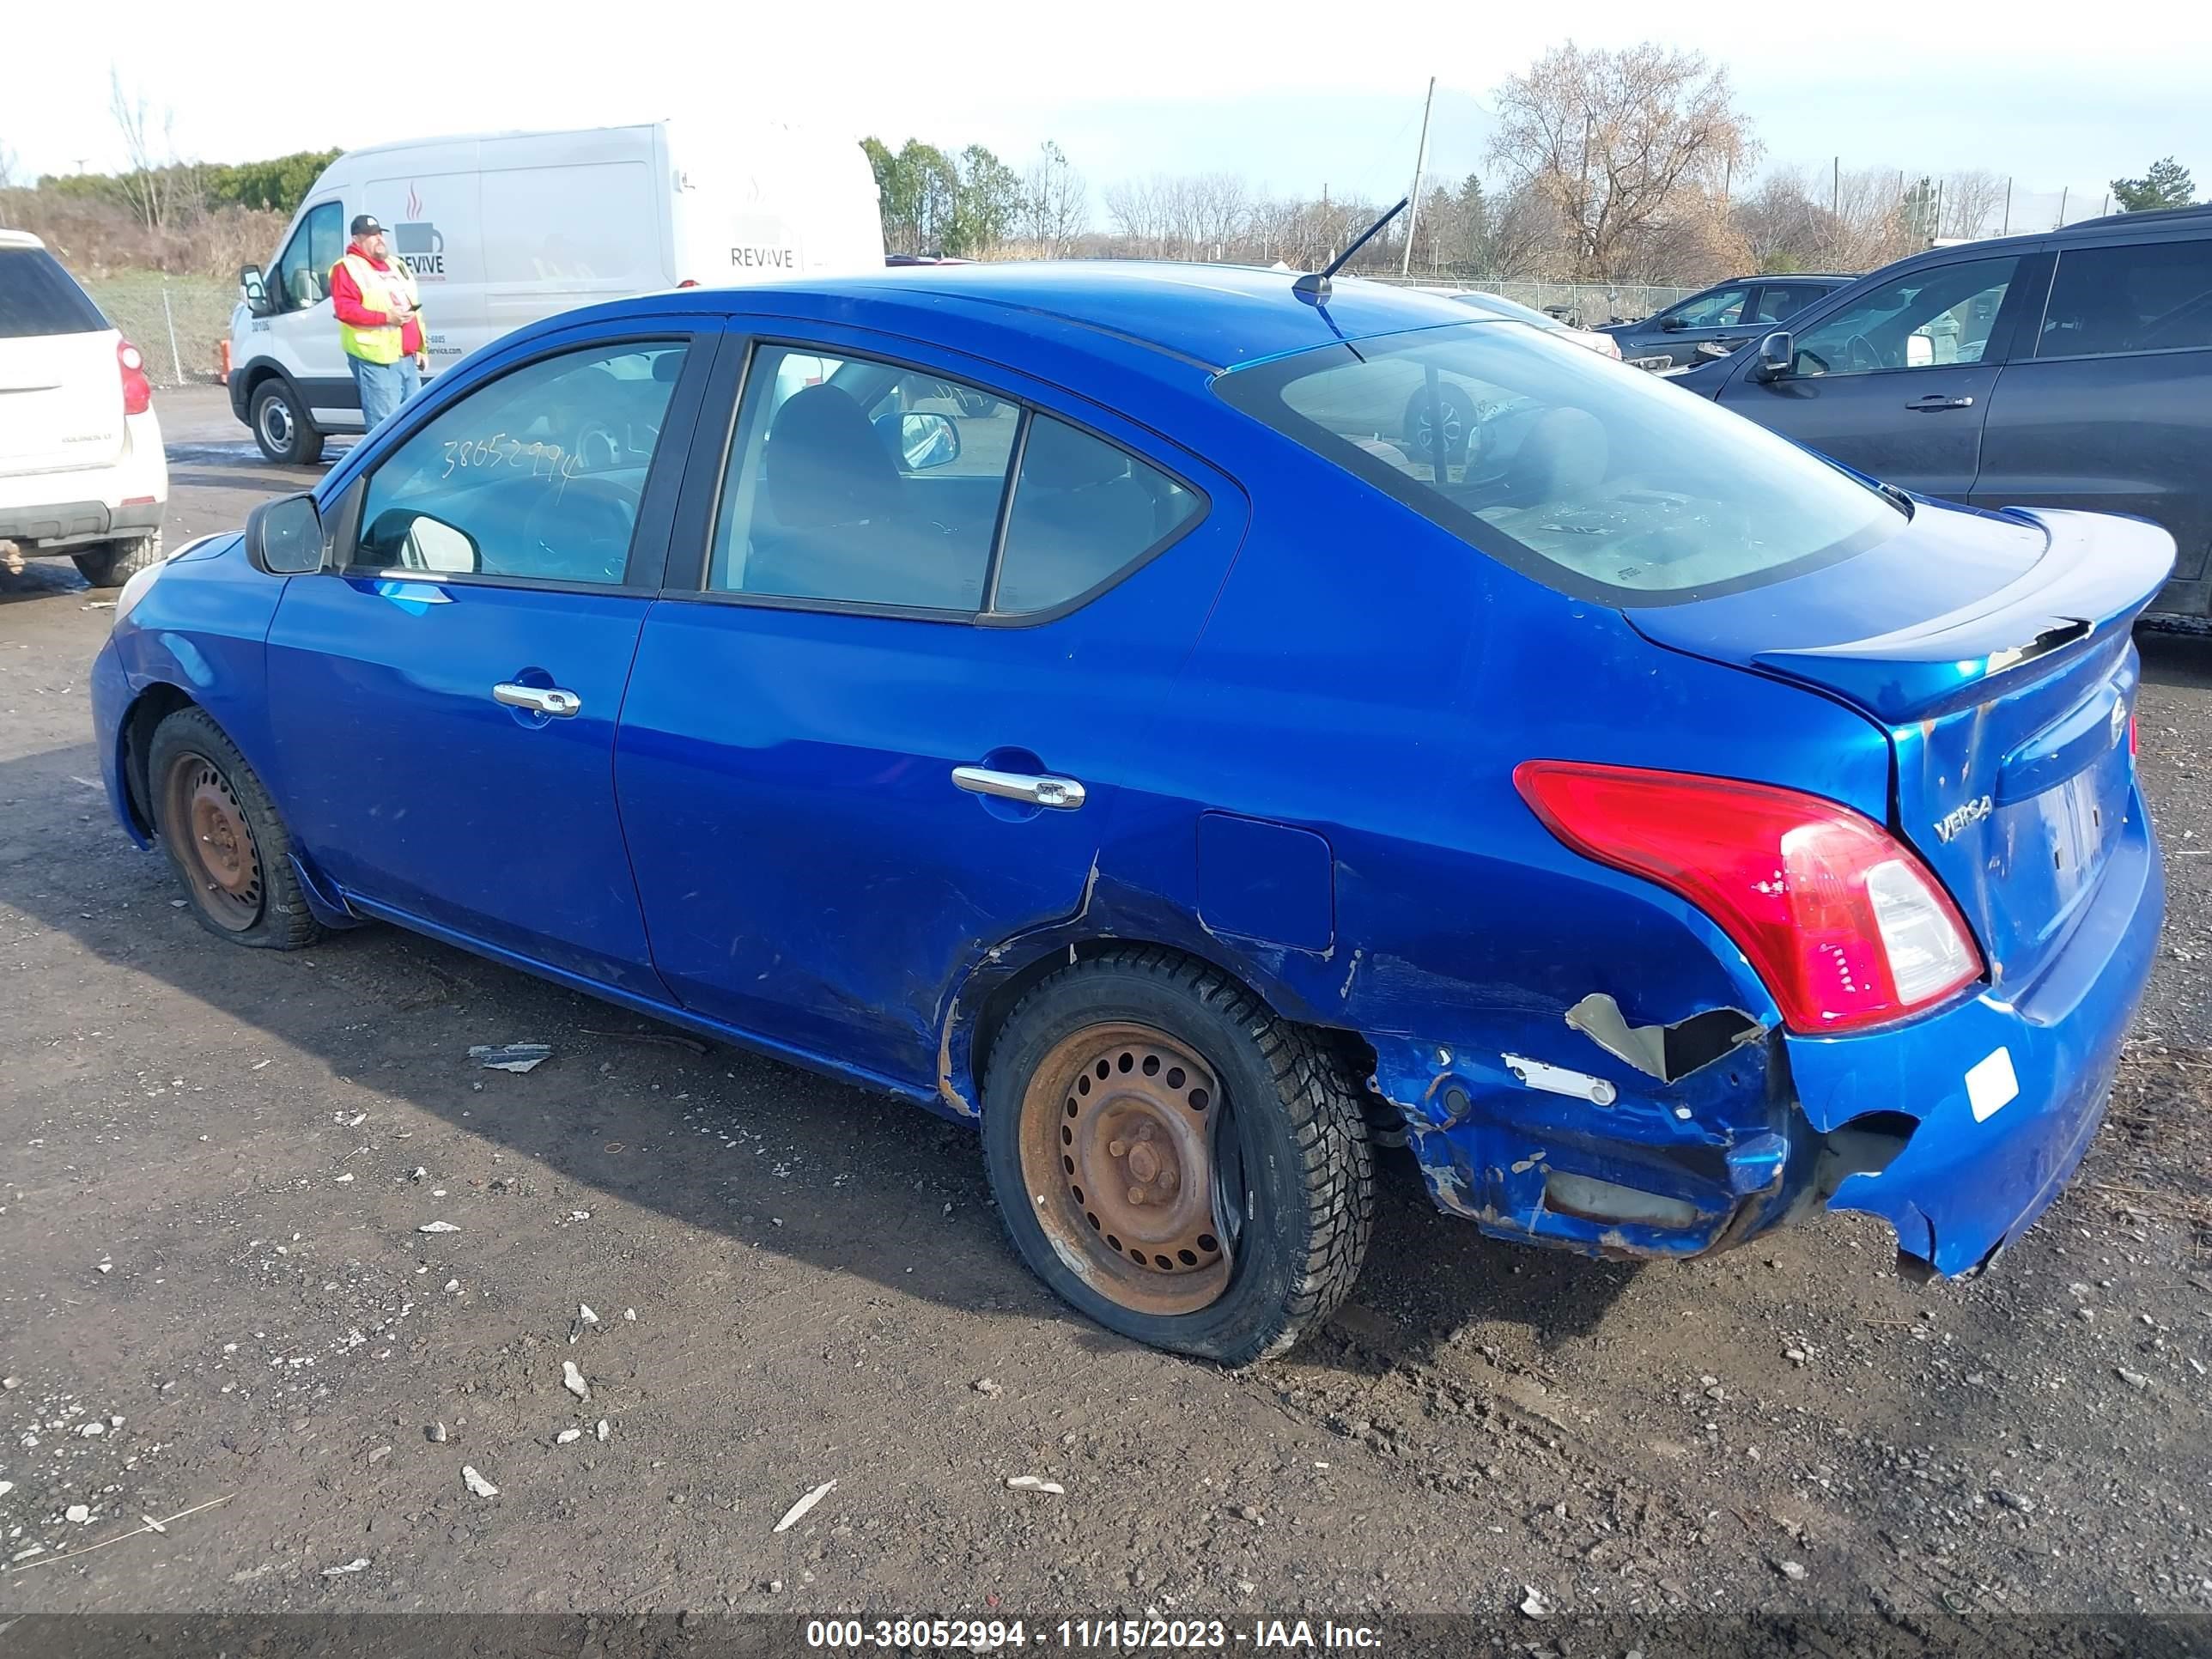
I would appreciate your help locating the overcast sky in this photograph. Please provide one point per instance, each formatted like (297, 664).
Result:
(1292, 95)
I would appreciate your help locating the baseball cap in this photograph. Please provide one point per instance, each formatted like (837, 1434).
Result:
(368, 224)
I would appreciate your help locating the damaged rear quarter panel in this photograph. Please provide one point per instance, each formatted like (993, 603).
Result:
(1378, 694)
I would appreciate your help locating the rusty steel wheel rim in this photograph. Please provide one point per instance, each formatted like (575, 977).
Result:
(221, 861)
(1121, 1145)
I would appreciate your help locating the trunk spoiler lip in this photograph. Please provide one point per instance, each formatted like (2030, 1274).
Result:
(2097, 572)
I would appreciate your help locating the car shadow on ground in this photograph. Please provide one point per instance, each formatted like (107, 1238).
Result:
(849, 1181)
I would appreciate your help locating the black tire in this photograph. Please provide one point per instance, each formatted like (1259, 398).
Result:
(272, 912)
(1306, 1175)
(111, 564)
(280, 425)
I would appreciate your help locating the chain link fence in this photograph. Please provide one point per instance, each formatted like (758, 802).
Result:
(1580, 305)
(179, 324)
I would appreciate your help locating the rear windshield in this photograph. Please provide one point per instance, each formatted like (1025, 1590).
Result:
(36, 296)
(1604, 482)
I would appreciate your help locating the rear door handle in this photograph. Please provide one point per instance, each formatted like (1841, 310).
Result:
(544, 700)
(1065, 794)
(1935, 400)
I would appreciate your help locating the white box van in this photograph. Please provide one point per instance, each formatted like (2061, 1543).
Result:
(503, 229)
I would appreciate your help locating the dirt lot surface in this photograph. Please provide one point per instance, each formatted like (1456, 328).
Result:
(217, 1167)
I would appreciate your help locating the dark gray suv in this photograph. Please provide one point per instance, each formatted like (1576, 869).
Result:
(2071, 368)
(1717, 320)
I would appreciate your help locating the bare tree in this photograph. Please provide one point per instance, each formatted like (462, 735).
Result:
(1972, 204)
(155, 183)
(1216, 209)
(1134, 205)
(1620, 143)
(1055, 202)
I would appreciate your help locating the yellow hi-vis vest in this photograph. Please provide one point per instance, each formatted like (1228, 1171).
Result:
(380, 290)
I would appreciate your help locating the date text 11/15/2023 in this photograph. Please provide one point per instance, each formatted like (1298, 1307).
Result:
(1089, 1635)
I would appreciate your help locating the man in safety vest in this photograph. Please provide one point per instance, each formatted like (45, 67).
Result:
(380, 322)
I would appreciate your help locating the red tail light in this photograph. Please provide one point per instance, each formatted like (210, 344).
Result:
(1843, 922)
(138, 390)
(688, 281)
(2133, 742)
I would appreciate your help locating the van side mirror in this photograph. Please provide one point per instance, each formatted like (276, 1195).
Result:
(285, 536)
(1777, 354)
(254, 289)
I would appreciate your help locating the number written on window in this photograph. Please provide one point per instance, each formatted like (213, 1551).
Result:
(538, 474)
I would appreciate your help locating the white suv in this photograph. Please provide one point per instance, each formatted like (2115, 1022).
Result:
(81, 471)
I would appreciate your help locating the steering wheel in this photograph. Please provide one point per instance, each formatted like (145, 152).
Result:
(581, 531)
(596, 448)
(1865, 356)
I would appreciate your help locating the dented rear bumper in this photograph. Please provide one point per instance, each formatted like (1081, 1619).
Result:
(1959, 1128)
(2007, 1095)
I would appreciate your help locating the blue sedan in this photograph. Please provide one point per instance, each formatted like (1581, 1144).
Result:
(1114, 704)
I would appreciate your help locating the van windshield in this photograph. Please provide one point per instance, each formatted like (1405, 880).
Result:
(1602, 482)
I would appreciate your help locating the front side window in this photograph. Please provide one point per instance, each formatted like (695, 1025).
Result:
(1722, 309)
(1607, 485)
(302, 277)
(2145, 297)
(537, 475)
(1935, 315)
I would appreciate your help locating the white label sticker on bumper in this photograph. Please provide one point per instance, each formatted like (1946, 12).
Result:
(1991, 1083)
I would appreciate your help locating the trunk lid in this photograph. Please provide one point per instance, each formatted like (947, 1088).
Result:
(61, 403)
(61, 391)
(1994, 649)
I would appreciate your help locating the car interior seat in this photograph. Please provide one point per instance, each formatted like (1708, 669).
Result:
(1565, 452)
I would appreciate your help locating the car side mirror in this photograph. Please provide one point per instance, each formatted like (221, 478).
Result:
(254, 289)
(285, 536)
(402, 539)
(918, 440)
(1672, 324)
(1777, 354)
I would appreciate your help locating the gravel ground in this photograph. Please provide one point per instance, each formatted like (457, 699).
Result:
(220, 1288)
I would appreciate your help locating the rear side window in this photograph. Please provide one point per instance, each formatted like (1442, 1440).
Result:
(1083, 510)
(1775, 303)
(2146, 297)
(36, 296)
(854, 481)
(1605, 484)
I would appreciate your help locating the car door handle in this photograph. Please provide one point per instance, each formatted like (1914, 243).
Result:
(544, 700)
(1935, 400)
(1064, 793)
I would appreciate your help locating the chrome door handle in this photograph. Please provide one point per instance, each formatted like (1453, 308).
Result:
(559, 704)
(1935, 400)
(1064, 793)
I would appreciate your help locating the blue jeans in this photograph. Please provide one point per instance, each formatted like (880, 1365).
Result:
(383, 387)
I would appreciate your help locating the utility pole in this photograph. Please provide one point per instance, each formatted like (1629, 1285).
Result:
(2063, 190)
(2007, 230)
(1835, 185)
(1420, 166)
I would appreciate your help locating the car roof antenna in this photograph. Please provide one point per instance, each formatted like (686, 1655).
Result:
(1313, 287)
